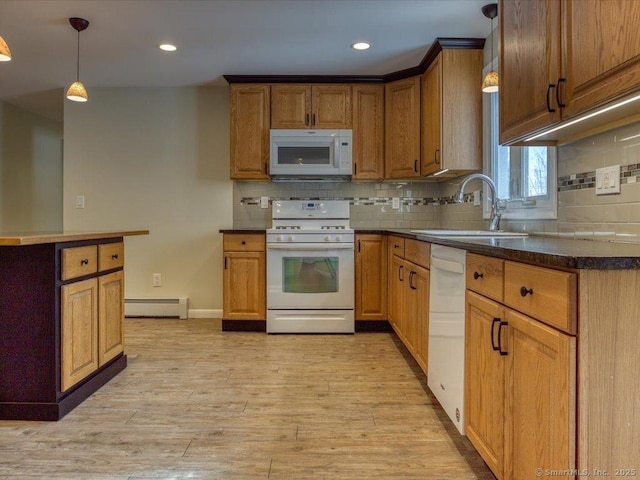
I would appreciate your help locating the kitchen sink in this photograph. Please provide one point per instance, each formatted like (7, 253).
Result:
(468, 233)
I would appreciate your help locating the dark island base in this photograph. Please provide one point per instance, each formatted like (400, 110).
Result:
(261, 326)
(55, 411)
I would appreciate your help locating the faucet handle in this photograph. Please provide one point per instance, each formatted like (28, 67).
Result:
(501, 204)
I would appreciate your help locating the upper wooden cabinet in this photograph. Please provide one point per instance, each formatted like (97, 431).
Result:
(402, 128)
(368, 132)
(310, 106)
(451, 111)
(569, 57)
(250, 117)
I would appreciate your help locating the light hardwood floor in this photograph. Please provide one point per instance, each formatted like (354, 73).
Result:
(199, 403)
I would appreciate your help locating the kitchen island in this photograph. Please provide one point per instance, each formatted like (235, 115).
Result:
(61, 319)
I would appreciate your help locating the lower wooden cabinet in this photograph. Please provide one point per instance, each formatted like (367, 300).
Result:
(244, 277)
(110, 316)
(520, 391)
(371, 277)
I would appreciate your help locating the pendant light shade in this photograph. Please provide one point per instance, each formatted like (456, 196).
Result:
(490, 82)
(76, 91)
(5, 53)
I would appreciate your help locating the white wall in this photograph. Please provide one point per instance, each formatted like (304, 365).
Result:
(156, 159)
(30, 171)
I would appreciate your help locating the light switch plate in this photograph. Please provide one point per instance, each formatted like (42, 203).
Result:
(608, 180)
(395, 203)
(79, 201)
(264, 202)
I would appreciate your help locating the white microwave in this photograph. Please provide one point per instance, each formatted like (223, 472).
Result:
(310, 153)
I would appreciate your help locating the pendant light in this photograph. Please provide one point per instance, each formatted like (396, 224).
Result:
(76, 91)
(5, 53)
(490, 82)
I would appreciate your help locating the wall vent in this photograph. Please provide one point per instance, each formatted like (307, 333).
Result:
(156, 307)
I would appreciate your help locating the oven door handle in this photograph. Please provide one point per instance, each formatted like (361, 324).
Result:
(310, 246)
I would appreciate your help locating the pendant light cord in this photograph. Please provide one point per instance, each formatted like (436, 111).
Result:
(78, 58)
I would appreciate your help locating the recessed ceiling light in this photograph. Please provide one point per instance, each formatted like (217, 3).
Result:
(167, 47)
(361, 46)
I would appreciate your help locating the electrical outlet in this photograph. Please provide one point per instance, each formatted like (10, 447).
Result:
(476, 198)
(79, 201)
(264, 202)
(395, 203)
(157, 280)
(408, 193)
(608, 180)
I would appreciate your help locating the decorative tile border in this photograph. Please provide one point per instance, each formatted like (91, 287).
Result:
(410, 201)
(577, 181)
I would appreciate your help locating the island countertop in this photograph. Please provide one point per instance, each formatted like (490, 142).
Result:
(36, 238)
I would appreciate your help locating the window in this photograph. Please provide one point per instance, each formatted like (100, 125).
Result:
(524, 176)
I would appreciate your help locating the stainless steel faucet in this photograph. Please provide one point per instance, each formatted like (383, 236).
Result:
(497, 205)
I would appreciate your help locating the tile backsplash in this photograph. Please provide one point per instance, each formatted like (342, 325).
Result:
(429, 205)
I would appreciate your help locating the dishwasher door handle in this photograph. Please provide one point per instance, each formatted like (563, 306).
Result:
(447, 265)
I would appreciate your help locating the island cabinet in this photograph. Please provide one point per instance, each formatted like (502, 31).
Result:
(310, 106)
(402, 128)
(244, 282)
(370, 277)
(408, 281)
(250, 124)
(62, 312)
(568, 58)
(451, 114)
(520, 366)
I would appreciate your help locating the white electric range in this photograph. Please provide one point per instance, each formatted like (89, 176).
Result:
(310, 267)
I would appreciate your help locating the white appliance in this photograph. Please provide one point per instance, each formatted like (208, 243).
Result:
(310, 153)
(445, 375)
(310, 268)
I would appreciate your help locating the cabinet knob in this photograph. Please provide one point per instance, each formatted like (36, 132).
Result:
(84, 261)
(477, 275)
(114, 256)
(244, 242)
(524, 291)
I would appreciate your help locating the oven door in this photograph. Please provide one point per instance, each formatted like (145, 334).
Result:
(310, 276)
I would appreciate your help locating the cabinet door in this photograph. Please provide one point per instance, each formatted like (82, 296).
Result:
(331, 106)
(484, 381)
(368, 132)
(79, 331)
(402, 128)
(416, 315)
(110, 316)
(290, 106)
(250, 111)
(396, 288)
(540, 403)
(371, 277)
(244, 292)
(432, 117)
(529, 66)
(601, 57)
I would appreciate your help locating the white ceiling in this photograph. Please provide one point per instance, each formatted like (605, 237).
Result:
(215, 37)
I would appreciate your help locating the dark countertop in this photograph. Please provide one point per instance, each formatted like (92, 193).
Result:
(540, 250)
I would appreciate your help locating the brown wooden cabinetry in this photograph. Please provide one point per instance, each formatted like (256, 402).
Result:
(402, 128)
(244, 277)
(520, 381)
(110, 316)
(371, 277)
(368, 132)
(310, 106)
(451, 111)
(409, 295)
(569, 57)
(250, 123)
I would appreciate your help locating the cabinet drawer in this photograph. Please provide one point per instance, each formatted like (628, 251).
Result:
(485, 275)
(396, 245)
(79, 261)
(417, 252)
(110, 255)
(545, 294)
(251, 242)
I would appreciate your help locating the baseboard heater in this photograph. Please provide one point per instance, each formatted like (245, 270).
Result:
(156, 307)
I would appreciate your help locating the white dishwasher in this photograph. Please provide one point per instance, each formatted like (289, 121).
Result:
(446, 330)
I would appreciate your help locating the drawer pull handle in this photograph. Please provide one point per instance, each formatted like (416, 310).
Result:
(493, 335)
(114, 256)
(244, 242)
(502, 352)
(524, 291)
(411, 285)
(395, 245)
(400, 273)
(477, 275)
(84, 261)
